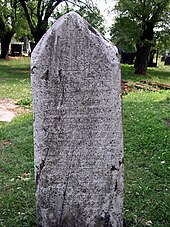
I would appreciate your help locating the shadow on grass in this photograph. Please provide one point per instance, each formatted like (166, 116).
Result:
(12, 72)
(154, 74)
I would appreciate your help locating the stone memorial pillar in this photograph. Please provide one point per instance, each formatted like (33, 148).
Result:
(76, 87)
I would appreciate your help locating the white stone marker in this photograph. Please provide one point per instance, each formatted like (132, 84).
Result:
(78, 140)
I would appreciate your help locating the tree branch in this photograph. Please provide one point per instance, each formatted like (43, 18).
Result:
(23, 4)
(50, 9)
(82, 2)
(38, 8)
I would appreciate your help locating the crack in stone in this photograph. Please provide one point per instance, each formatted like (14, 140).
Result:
(65, 190)
(62, 84)
(41, 166)
(64, 193)
(64, 198)
(115, 186)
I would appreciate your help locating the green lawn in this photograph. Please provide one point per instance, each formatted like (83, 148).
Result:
(160, 74)
(146, 145)
(15, 78)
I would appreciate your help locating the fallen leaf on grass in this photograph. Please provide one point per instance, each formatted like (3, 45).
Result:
(25, 177)
(21, 213)
(5, 143)
(25, 174)
(148, 223)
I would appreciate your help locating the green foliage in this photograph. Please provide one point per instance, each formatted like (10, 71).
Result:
(25, 102)
(135, 17)
(12, 18)
(125, 33)
(94, 17)
(12, 21)
(163, 40)
(39, 12)
(89, 13)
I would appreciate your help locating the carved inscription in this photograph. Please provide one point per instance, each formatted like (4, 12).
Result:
(71, 54)
(78, 127)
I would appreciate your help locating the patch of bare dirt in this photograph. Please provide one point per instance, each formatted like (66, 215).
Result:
(5, 143)
(9, 109)
(156, 84)
(11, 58)
(126, 88)
(129, 86)
(143, 86)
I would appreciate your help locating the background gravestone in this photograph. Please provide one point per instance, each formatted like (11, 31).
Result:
(78, 144)
(167, 60)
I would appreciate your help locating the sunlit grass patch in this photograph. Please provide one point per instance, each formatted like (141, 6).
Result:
(147, 158)
(17, 173)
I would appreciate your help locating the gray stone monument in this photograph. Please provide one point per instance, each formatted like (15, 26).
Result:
(76, 87)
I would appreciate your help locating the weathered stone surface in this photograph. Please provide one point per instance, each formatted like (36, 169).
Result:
(78, 144)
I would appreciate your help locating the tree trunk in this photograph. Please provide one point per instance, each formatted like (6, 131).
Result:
(38, 33)
(5, 41)
(141, 61)
(143, 48)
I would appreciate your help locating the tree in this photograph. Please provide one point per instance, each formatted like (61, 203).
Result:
(7, 14)
(38, 12)
(122, 34)
(92, 15)
(5, 36)
(11, 19)
(145, 16)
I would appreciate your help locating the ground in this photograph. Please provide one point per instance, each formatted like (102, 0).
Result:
(9, 109)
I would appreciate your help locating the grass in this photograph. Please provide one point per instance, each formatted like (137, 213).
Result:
(17, 176)
(15, 78)
(147, 166)
(16, 144)
(160, 74)
(146, 144)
